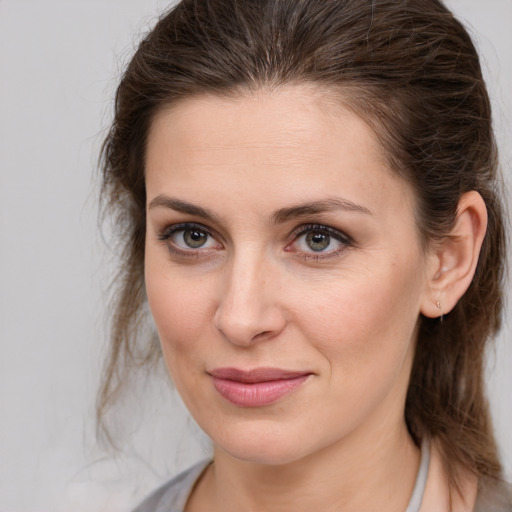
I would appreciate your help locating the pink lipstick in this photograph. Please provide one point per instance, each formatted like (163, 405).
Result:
(257, 387)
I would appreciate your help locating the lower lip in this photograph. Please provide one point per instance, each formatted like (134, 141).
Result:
(256, 394)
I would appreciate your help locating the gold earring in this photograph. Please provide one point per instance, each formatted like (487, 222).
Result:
(438, 306)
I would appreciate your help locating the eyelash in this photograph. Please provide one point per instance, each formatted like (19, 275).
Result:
(337, 235)
(168, 232)
(346, 241)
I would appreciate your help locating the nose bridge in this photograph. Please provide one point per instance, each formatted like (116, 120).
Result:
(248, 309)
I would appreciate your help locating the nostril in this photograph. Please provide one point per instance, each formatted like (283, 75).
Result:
(260, 335)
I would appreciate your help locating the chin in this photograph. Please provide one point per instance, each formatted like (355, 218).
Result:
(263, 446)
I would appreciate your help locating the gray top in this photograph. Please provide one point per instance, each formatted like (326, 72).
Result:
(421, 479)
(173, 496)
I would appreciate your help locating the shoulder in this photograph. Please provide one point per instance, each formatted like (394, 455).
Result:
(493, 496)
(173, 495)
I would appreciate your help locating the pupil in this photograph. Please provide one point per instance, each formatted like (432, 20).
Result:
(194, 238)
(318, 241)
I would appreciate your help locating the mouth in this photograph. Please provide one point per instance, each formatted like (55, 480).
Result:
(256, 387)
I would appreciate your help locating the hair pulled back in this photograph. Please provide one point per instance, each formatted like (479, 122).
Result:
(410, 70)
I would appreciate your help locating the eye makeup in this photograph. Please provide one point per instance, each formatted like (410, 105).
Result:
(310, 242)
(318, 241)
(189, 239)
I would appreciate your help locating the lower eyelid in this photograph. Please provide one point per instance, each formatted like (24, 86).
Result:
(192, 254)
(167, 237)
(313, 257)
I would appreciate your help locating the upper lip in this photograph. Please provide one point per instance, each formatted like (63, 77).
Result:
(256, 374)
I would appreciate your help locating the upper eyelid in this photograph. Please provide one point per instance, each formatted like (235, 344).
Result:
(305, 228)
(170, 229)
(165, 233)
(165, 236)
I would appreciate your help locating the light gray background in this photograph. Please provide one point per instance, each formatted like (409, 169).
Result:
(59, 63)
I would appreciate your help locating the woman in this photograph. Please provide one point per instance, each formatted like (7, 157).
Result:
(308, 195)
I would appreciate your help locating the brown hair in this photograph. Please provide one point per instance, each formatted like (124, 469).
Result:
(409, 69)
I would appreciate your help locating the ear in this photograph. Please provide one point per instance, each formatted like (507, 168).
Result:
(454, 259)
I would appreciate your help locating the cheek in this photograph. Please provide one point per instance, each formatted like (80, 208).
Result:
(366, 320)
(181, 310)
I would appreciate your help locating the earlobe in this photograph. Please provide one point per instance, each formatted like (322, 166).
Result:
(456, 256)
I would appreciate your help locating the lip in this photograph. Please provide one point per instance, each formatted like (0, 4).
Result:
(256, 387)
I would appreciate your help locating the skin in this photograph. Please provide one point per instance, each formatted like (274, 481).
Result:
(257, 295)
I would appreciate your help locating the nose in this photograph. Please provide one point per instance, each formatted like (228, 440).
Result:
(249, 310)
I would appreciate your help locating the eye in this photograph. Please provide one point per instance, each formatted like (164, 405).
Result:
(192, 238)
(189, 238)
(319, 241)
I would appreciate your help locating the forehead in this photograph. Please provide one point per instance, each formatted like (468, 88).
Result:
(299, 139)
(301, 115)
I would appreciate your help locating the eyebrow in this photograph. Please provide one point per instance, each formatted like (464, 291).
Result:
(182, 207)
(316, 207)
(278, 217)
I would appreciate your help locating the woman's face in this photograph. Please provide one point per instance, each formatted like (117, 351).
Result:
(283, 271)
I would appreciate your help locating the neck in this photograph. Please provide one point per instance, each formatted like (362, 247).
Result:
(360, 473)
